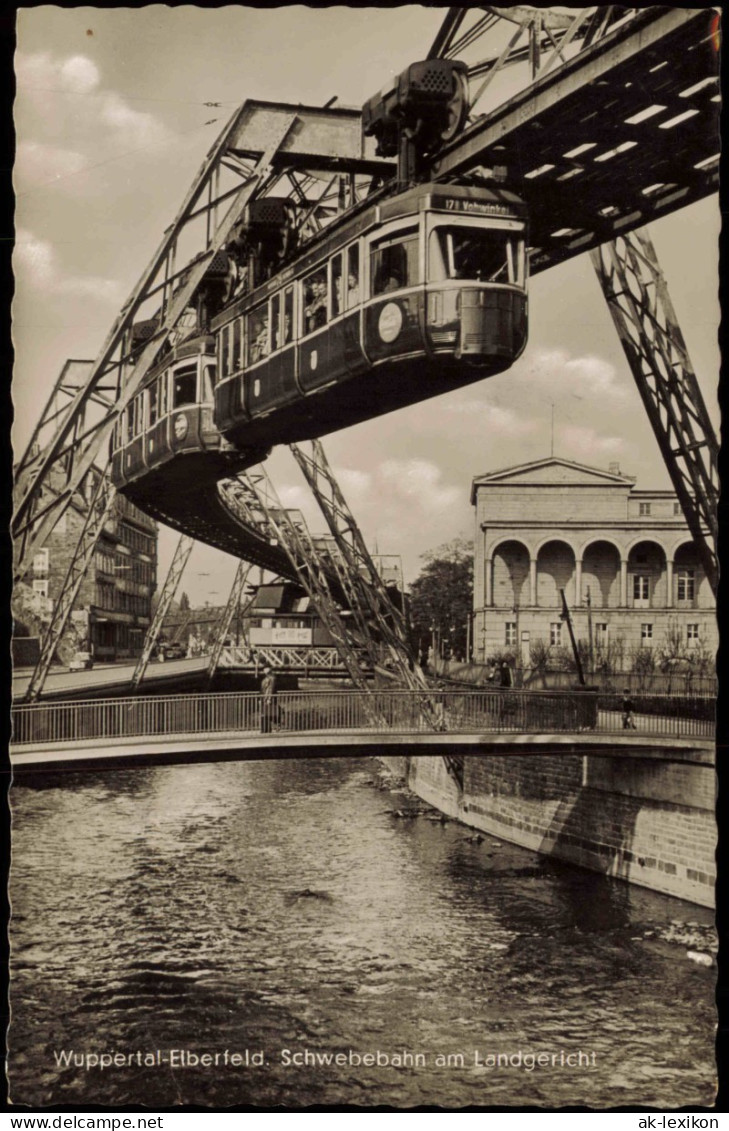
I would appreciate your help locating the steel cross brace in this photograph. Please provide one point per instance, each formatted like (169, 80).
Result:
(365, 587)
(172, 581)
(311, 569)
(98, 513)
(641, 308)
(291, 657)
(381, 622)
(234, 602)
(545, 36)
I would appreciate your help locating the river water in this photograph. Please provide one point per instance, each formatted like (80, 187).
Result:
(283, 910)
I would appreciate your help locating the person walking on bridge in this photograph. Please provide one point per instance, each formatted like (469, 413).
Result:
(269, 705)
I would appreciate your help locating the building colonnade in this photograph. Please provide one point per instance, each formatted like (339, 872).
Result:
(642, 574)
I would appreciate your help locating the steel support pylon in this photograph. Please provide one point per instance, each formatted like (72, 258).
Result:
(231, 608)
(641, 308)
(312, 570)
(99, 510)
(364, 586)
(370, 624)
(172, 581)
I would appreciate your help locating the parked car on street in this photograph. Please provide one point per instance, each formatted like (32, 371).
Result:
(81, 662)
(171, 650)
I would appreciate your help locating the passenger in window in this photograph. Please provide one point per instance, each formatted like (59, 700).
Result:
(315, 311)
(352, 289)
(388, 278)
(259, 341)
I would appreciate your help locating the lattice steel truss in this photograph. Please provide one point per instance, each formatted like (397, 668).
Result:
(377, 616)
(313, 155)
(233, 606)
(313, 570)
(539, 81)
(535, 39)
(99, 510)
(303, 659)
(170, 587)
(639, 302)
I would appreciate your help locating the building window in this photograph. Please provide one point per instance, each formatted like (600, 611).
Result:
(641, 590)
(601, 633)
(510, 632)
(41, 587)
(646, 633)
(555, 632)
(40, 562)
(676, 508)
(692, 633)
(644, 508)
(686, 585)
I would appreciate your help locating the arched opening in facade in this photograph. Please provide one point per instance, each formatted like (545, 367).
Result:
(688, 577)
(601, 575)
(555, 571)
(510, 575)
(647, 576)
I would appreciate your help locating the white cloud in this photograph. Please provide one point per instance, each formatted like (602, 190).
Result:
(40, 73)
(38, 163)
(294, 497)
(421, 480)
(587, 375)
(79, 74)
(137, 127)
(586, 441)
(35, 262)
(353, 483)
(66, 97)
(35, 257)
(483, 415)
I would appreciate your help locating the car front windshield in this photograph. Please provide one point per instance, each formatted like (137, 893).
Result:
(486, 255)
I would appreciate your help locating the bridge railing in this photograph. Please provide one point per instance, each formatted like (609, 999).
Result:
(387, 711)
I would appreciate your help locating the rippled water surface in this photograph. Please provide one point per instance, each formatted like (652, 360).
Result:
(282, 906)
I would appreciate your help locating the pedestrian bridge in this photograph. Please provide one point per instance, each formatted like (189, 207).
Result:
(334, 723)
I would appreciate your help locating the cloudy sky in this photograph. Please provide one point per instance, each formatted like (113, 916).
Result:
(112, 126)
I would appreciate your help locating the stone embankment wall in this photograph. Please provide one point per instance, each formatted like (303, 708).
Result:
(647, 818)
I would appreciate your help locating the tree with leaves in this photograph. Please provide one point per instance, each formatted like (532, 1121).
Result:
(441, 600)
(184, 603)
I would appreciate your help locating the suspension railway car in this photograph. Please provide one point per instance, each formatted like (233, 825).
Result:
(415, 295)
(411, 296)
(167, 455)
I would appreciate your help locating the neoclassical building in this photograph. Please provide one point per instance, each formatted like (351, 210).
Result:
(625, 559)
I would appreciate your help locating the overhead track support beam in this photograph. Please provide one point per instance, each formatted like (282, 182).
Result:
(641, 308)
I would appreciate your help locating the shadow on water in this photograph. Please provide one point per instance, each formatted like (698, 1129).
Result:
(137, 782)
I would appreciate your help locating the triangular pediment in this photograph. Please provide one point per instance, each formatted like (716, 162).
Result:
(555, 471)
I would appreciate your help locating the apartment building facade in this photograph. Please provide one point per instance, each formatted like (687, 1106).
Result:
(113, 608)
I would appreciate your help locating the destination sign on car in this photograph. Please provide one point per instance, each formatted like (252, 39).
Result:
(473, 206)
